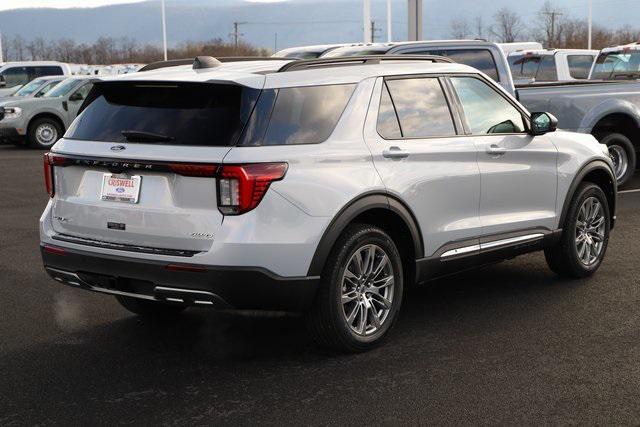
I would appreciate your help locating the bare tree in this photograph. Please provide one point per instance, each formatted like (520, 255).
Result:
(507, 25)
(460, 29)
(551, 25)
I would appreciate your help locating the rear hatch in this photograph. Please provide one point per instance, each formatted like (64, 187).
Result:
(137, 169)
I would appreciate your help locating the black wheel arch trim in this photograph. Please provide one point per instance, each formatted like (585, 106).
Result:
(357, 206)
(579, 178)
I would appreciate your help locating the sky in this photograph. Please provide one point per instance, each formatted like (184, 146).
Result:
(18, 4)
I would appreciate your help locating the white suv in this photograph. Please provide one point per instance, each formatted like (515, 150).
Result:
(320, 186)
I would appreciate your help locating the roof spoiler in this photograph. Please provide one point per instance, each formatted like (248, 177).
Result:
(305, 64)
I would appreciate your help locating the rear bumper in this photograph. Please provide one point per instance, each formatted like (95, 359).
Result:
(220, 287)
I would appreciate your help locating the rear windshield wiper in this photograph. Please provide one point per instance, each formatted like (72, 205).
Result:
(141, 136)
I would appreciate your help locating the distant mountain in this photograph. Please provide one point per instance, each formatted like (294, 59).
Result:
(296, 22)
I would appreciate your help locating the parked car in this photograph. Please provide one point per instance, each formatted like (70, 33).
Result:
(551, 65)
(36, 87)
(509, 48)
(617, 63)
(606, 110)
(13, 75)
(301, 186)
(306, 52)
(480, 54)
(40, 122)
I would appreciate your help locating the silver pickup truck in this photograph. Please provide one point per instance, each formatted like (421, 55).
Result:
(609, 110)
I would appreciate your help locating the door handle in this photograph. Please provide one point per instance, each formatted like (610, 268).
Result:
(496, 150)
(395, 153)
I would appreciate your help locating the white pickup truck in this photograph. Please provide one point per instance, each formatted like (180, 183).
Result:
(14, 75)
(551, 65)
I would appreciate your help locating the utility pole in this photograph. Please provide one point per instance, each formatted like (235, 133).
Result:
(236, 34)
(389, 21)
(553, 16)
(590, 20)
(164, 31)
(1, 51)
(415, 20)
(366, 21)
(275, 43)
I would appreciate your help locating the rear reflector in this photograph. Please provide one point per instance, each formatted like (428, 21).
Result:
(242, 187)
(54, 250)
(185, 268)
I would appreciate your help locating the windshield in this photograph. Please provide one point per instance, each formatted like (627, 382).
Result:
(617, 65)
(62, 89)
(29, 88)
(356, 51)
(170, 113)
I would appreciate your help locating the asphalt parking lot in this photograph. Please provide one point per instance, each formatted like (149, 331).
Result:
(507, 344)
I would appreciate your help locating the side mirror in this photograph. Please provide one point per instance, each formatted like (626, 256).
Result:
(542, 123)
(76, 97)
(3, 81)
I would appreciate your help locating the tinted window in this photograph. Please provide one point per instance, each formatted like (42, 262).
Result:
(16, 76)
(481, 59)
(388, 125)
(547, 71)
(485, 109)
(49, 70)
(422, 107)
(306, 115)
(579, 66)
(184, 113)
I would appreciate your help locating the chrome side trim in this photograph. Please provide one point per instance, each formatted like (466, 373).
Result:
(460, 251)
(511, 241)
(490, 245)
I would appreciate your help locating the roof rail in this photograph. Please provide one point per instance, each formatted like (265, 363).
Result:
(188, 61)
(305, 64)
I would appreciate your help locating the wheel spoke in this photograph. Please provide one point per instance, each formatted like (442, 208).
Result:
(386, 304)
(348, 297)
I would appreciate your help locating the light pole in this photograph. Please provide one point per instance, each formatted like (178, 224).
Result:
(164, 31)
(389, 21)
(590, 19)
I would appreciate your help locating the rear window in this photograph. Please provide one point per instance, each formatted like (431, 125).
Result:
(170, 113)
(547, 70)
(524, 67)
(580, 65)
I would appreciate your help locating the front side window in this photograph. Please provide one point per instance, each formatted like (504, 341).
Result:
(486, 111)
(62, 89)
(46, 88)
(421, 108)
(579, 66)
(83, 91)
(306, 115)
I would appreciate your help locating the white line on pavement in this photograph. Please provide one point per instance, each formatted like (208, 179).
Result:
(637, 190)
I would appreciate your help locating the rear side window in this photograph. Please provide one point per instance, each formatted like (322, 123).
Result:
(547, 71)
(302, 115)
(486, 111)
(580, 66)
(481, 59)
(421, 108)
(165, 113)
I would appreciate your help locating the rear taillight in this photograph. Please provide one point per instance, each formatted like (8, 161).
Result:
(50, 160)
(242, 187)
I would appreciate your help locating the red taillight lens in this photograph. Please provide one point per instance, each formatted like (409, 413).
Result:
(197, 170)
(242, 187)
(51, 160)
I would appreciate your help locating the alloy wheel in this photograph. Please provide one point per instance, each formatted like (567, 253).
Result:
(367, 290)
(590, 231)
(620, 160)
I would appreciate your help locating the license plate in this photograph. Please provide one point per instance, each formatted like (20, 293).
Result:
(120, 188)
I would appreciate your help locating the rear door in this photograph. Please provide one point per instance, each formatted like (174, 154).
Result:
(137, 168)
(518, 171)
(413, 136)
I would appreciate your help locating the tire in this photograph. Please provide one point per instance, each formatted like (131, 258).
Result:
(566, 258)
(151, 309)
(327, 320)
(623, 154)
(43, 133)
